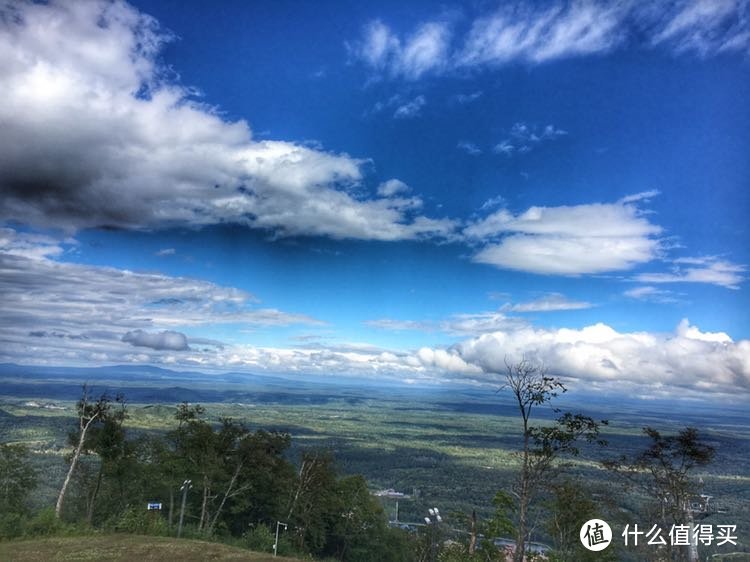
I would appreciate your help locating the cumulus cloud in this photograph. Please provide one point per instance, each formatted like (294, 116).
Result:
(710, 270)
(94, 134)
(567, 240)
(539, 33)
(392, 187)
(166, 340)
(686, 362)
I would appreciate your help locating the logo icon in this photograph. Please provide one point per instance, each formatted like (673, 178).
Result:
(596, 535)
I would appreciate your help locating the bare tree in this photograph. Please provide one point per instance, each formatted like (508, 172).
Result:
(89, 413)
(531, 386)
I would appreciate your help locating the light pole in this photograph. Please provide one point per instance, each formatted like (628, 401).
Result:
(432, 522)
(186, 485)
(276, 542)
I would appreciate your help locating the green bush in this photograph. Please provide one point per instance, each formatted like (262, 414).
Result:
(45, 523)
(12, 525)
(260, 538)
(141, 522)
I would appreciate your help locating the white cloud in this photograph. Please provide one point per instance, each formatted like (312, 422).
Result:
(686, 362)
(552, 302)
(504, 147)
(569, 240)
(464, 99)
(53, 309)
(159, 341)
(539, 33)
(392, 187)
(95, 135)
(652, 294)
(523, 137)
(166, 252)
(535, 36)
(62, 313)
(710, 270)
(457, 324)
(410, 109)
(704, 27)
(425, 50)
(469, 148)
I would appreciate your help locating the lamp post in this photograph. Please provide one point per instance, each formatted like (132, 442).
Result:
(186, 485)
(432, 522)
(276, 542)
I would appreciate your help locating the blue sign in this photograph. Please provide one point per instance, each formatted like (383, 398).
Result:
(154, 505)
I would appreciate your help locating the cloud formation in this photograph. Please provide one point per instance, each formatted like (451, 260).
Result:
(424, 50)
(711, 270)
(567, 240)
(60, 311)
(524, 137)
(553, 302)
(537, 33)
(687, 362)
(95, 134)
(159, 341)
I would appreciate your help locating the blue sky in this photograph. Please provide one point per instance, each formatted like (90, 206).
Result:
(383, 190)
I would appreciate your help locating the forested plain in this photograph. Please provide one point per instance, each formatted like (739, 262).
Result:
(310, 452)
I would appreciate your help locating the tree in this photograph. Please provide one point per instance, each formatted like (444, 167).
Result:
(569, 506)
(312, 500)
(532, 386)
(663, 471)
(89, 414)
(17, 478)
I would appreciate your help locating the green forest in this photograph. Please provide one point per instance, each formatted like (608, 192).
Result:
(241, 474)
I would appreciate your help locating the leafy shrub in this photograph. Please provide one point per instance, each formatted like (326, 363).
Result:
(45, 523)
(260, 538)
(12, 525)
(138, 521)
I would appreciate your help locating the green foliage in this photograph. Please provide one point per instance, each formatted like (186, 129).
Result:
(260, 538)
(12, 525)
(142, 522)
(17, 479)
(569, 506)
(45, 523)
(501, 522)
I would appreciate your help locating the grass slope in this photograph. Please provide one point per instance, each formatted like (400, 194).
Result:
(126, 547)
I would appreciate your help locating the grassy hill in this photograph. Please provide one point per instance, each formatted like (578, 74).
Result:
(126, 548)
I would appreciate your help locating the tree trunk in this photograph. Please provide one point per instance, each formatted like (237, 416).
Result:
(92, 499)
(171, 508)
(473, 540)
(73, 463)
(227, 493)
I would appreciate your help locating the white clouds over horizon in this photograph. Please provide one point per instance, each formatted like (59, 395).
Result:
(61, 313)
(535, 34)
(95, 135)
(687, 362)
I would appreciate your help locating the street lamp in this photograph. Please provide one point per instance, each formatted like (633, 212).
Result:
(186, 485)
(276, 543)
(432, 522)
